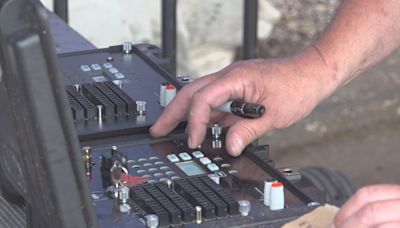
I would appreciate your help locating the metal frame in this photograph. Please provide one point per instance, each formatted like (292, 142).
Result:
(60, 8)
(250, 29)
(168, 27)
(168, 31)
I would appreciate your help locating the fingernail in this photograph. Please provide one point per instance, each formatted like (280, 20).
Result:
(237, 146)
(190, 142)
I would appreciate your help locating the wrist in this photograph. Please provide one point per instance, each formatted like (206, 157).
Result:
(320, 75)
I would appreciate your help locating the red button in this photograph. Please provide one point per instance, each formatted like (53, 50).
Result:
(170, 87)
(277, 185)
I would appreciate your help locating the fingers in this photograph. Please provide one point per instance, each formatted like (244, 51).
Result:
(203, 102)
(394, 224)
(374, 214)
(243, 132)
(178, 108)
(365, 196)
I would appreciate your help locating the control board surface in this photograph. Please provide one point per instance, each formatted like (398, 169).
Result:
(176, 179)
(115, 95)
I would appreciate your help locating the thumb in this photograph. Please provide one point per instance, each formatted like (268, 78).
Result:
(243, 132)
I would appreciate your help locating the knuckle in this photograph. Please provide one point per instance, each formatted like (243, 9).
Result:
(248, 133)
(364, 193)
(368, 214)
(197, 97)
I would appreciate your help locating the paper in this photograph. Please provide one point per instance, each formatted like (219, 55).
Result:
(321, 217)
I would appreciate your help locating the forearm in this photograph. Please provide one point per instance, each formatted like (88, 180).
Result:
(362, 33)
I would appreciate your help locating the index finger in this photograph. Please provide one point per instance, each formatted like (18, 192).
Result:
(178, 107)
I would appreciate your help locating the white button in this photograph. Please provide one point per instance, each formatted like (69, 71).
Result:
(153, 170)
(85, 68)
(172, 158)
(197, 154)
(212, 167)
(170, 173)
(205, 161)
(99, 78)
(119, 75)
(159, 163)
(96, 67)
(108, 65)
(113, 70)
(185, 156)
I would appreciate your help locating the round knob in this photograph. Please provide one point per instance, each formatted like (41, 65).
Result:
(170, 93)
(152, 221)
(267, 190)
(244, 207)
(277, 197)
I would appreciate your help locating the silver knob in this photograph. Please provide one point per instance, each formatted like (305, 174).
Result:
(216, 144)
(198, 214)
(141, 107)
(119, 83)
(244, 207)
(77, 88)
(152, 221)
(99, 112)
(123, 194)
(169, 183)
(216, 131)
(127, 47)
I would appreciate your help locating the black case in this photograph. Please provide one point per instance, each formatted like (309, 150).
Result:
(39, 148)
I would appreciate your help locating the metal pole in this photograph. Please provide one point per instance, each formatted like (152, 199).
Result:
(250, 29)
(60, 8)
(168, 22)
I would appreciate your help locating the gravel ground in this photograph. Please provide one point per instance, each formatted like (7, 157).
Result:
(300, 24)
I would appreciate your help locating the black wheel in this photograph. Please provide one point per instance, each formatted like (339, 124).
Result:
(336, 185)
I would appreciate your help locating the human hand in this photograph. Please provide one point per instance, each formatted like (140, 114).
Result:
(372, 206)
(289, 89)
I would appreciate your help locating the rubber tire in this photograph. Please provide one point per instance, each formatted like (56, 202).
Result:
(336, 185)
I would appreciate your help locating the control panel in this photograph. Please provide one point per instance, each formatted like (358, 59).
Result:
(167, 181)
(117, 90)
(115, 95)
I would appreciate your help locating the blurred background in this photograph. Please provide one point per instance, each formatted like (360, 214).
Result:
(356, 131)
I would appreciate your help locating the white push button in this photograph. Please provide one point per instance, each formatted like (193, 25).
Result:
(185, 156)
(85, 68)
(96, 67)
(212, 167)
(197, 154)
(108, 65)
(205, 161)
(172, 158)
